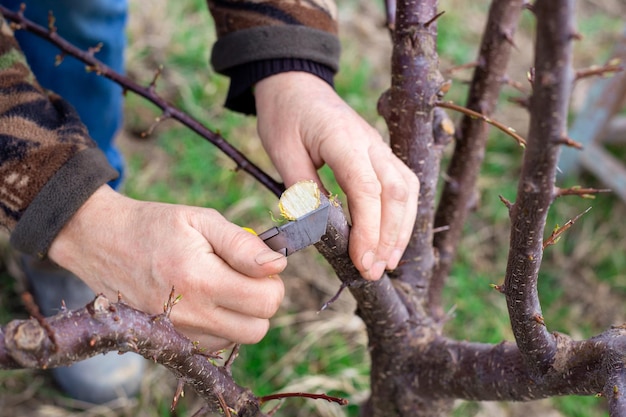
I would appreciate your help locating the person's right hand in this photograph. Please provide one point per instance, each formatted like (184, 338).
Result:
(227, 276)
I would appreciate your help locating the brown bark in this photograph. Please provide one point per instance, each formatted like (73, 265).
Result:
(536, 191)
(103, 326)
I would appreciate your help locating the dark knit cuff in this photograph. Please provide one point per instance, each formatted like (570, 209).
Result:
(59, 199)
(243, 77)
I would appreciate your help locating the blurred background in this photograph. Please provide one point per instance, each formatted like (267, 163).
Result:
(583, 279)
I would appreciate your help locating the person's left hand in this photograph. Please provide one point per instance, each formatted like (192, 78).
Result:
(303, 124)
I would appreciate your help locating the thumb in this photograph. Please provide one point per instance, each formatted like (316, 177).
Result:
(295, 164)
(240, 249)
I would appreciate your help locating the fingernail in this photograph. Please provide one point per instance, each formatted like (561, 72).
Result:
(376, 271)
(394, 259)
(267, 256)
(367, 260)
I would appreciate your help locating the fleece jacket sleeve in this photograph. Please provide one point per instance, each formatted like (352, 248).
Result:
(261, 38)
(49, 166)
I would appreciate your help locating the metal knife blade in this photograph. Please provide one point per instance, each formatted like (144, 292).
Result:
(300, 233)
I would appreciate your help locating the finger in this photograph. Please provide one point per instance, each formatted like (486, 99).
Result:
(241, 250)
(357, 177)
(406, 229)
(227, 327)
(252, 297)
(292, 161)
(400, 189)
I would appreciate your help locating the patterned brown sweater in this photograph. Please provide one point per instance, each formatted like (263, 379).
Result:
(49, 166)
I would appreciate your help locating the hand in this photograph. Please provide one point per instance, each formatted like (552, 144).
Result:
(227, 277)
(303, 124)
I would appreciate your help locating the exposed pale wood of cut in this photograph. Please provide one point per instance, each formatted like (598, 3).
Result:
(299, 199)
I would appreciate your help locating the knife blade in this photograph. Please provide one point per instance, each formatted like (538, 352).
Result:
(300, 233)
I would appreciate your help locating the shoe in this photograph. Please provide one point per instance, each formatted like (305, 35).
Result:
(101, 378)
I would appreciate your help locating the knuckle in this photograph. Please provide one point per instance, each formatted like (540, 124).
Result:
(397, 190)
(369, 185)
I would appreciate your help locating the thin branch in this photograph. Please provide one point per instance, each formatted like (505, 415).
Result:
(468, 65)
(471, 139)
(180, 387)
(149, 93)
(480, 116)
(231, 358)
(434, 19)
(280, 396)
(559, 230)
(552, 84)
(119, 327)
(475, 370)
(567, 141)
(580, 192)
(599, 71)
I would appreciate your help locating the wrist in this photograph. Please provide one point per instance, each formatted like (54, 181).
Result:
(87, 226)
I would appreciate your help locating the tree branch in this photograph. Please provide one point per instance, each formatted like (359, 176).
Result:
(486, 372)
(552, 82)
(471, 140)
(103, 326)
(408, 111)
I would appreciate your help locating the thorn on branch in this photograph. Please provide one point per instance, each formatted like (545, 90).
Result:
(558, 231)
(334, 298)
(180, 393)
(508, 37)
(581, 192)
(92, 50)
(567, 141)
(523, 102)
(93, 68)
(156, 76)
(506, 129)
(612, 67)
(434, 19)
(515, 84)
(234, 353)
(576, 36)
(441, 229)
(166, 115)
(330, 399)
(171, 302)
(467, 65)
(225, 408)
(506, 202)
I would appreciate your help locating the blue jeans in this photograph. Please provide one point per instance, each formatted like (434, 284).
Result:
(84, 23)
